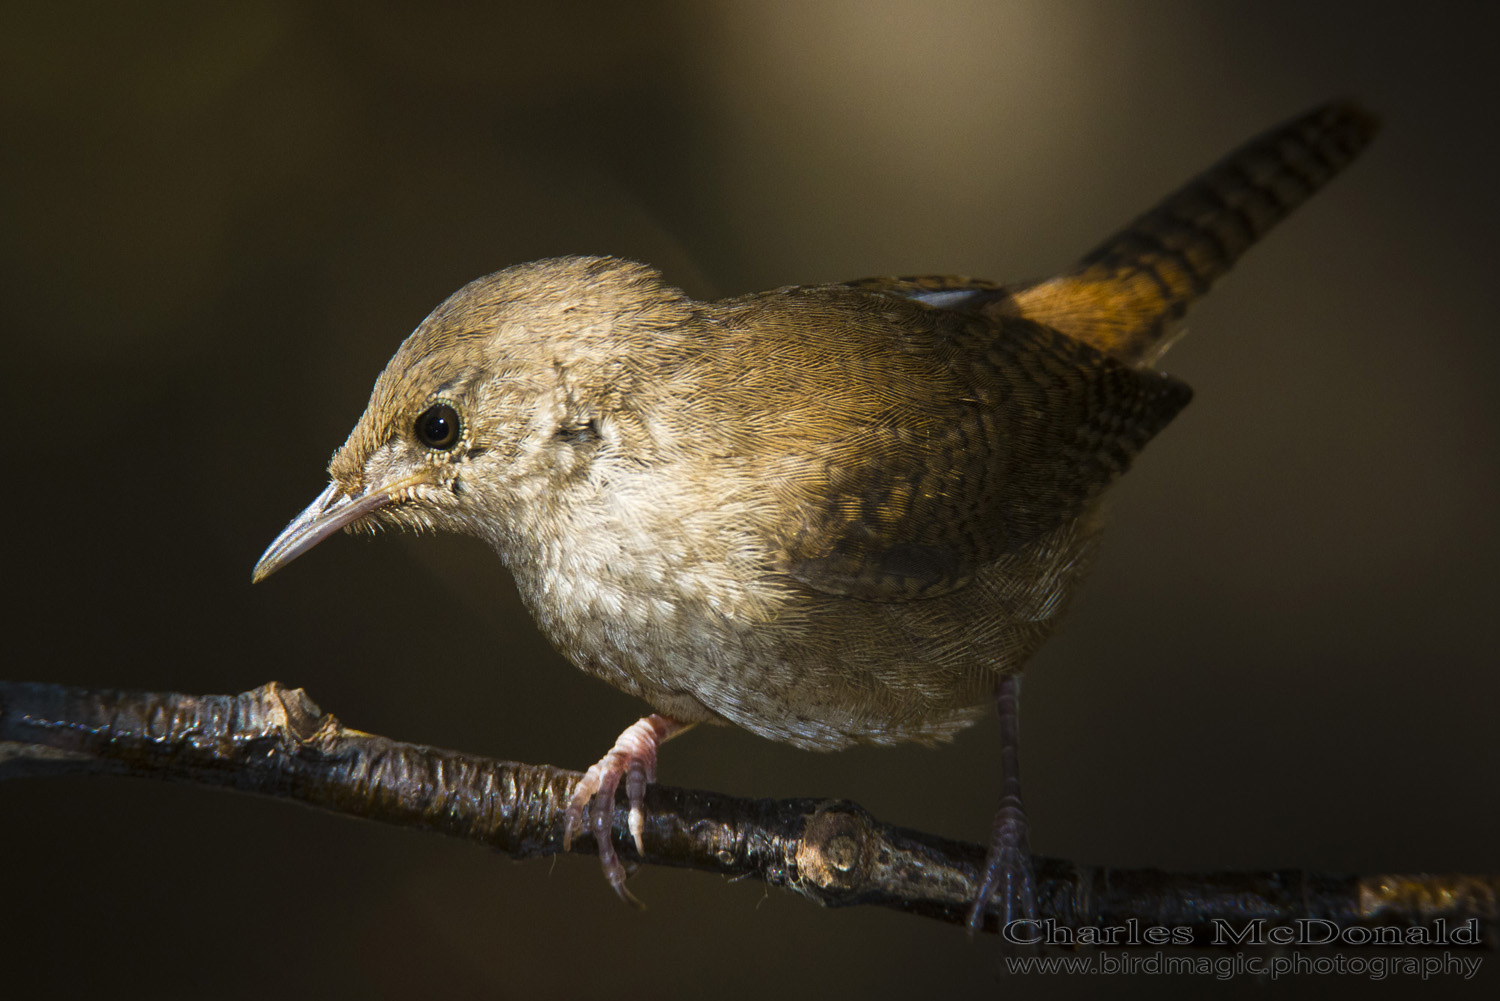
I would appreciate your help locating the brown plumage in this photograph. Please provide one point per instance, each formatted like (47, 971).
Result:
(828, 514)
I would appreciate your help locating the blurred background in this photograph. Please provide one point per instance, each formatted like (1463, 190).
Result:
(218, 221)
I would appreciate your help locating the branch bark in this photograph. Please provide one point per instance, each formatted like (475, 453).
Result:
(274, 741)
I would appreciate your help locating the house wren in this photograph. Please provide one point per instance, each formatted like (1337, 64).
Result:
(830, 514)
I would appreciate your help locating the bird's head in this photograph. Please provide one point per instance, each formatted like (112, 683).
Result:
(502, 397)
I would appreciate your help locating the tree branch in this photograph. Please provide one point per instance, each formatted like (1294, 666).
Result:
(274, 741)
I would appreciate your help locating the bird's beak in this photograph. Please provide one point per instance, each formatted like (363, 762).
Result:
(332, 510)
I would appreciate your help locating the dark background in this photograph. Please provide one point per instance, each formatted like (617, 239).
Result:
(217, 223)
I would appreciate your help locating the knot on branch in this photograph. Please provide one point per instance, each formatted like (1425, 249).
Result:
(837, 853)
(290, 710)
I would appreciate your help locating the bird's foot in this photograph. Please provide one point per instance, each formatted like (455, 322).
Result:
(633, 758)
(1008, 870)
(1007, 865)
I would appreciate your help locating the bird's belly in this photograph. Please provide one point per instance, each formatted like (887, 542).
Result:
(811, 669)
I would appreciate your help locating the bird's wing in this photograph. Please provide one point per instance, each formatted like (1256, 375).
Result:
(945, 440)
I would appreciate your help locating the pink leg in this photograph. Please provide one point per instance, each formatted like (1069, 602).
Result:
(633, 758)
(1007, 866)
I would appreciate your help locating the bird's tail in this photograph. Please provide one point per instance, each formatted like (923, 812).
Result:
(1125, 296)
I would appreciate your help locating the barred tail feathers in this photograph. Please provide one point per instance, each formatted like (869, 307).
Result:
(1126, 295)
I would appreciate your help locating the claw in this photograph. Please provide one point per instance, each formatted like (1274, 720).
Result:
(633, 758)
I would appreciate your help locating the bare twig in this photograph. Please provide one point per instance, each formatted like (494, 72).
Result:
(275, 741)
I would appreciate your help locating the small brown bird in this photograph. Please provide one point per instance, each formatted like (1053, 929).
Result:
(829, 514)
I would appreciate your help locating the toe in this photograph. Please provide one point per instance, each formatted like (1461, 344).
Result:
(633, 761)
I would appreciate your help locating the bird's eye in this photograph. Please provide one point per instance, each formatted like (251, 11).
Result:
(439, 427)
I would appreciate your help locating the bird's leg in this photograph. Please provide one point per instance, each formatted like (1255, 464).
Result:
(1007, 867)
(633, 758)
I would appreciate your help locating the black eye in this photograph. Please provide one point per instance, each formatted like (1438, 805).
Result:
(439, 427)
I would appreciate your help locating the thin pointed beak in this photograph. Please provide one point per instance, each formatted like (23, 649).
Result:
(332, 510)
